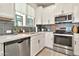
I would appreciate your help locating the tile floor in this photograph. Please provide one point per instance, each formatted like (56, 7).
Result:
(48, 52)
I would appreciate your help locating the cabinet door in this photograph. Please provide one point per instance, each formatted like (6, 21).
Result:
(34, 45)
(19, 20)
(76, 47)
(30, 11)
(45, 16)
(1, 27)
(37, 43)
(76, 44)
(51, 13)
(67, 8)
(30, 21)
(52, 20)
(38, 18)
(7, 10)
(21, 7)
(76, 13)
(41, 43)
(49, 40)
(1, 49)
(58, 9)
(48, 15)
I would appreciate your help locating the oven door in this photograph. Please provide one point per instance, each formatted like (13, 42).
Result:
(63, 41)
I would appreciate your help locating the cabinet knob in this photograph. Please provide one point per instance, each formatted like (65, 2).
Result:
(75, 42)
(38, 41)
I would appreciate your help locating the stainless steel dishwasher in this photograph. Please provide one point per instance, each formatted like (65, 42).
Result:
(19, 47)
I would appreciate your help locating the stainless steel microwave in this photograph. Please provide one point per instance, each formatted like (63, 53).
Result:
(63, 17)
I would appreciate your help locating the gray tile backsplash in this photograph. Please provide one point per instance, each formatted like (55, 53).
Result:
(9, 25)
(28, 29)
(5, 25)
(47, 28)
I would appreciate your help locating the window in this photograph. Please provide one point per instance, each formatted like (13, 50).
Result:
(19, 19)
(29, 21)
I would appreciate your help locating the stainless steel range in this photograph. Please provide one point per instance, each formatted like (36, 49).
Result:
(63, 35)
(63, 43)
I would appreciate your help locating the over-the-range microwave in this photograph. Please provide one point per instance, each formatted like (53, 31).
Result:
(63, 17)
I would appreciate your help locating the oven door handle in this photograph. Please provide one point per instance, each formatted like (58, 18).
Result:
(75, 42)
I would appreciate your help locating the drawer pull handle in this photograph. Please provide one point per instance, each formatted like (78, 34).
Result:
(75, 42)
(38, 41)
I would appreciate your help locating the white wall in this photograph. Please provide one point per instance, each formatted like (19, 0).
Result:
(30, 11)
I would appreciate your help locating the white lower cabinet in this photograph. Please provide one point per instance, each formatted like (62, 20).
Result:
(1, 50)
(41, 40)
(76, 44)
(37, 43)
(34, 46)
(76, 48)
(49, 38)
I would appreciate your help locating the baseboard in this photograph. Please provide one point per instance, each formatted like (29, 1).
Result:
(40, 51)
(56, 51)
(43, 49)
(49, 49)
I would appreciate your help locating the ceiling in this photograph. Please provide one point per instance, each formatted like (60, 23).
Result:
(44, 4)
(41, 4)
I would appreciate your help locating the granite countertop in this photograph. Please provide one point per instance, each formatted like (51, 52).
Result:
(7, 38)
(63, 34)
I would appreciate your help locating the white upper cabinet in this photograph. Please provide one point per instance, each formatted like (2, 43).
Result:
(38, 15)
(51, 15)
(63, 8)
(20, 19)
(45, 16)
(67, 8)
(30, 11)
(76, 12)
(7, 10)
(48, 15)
(58, 9)
(21, 7)
(30, 21)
